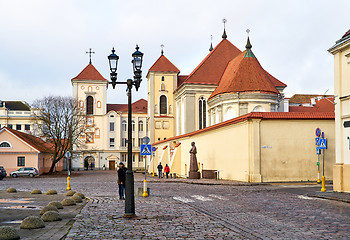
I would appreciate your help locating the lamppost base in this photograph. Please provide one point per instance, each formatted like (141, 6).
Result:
(129, 216)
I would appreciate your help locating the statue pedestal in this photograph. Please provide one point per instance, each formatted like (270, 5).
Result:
(194, 175)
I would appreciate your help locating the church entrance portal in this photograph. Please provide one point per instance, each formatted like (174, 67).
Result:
(111, 165)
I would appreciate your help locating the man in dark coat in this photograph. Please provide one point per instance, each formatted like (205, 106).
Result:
(160, 169)
(121, 180)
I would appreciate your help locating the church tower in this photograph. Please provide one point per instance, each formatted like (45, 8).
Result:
(90, 90)
(162, 82)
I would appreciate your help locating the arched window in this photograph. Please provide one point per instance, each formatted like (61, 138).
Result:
(124, 126)
(229, 113)
(140, 126)
(162, 87)
(90, 89)
(5, 145)
(258, 109)
(89, 105)
(163, 105)
(202, 112)
(99, 104)
(162, 78)
(133, 125)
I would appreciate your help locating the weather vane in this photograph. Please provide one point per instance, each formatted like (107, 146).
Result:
(90, 52)
(248, 31)
(162, 47)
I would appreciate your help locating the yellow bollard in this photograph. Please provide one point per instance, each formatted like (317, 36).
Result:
(323, 189)
(68, 183)
(145, 194)
(153, 173)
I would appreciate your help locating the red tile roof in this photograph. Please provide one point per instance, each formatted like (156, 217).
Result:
(323, 105)
(346, 34)
(33, 141)
(139, 106)
(259, 115)
(245, 74)
(181, 79)
(305, 98)
(210, 70)
(163, 65)
(275, 81)
(89, 73)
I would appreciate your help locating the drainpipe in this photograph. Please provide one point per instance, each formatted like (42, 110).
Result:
(38, 164)
(238, 104)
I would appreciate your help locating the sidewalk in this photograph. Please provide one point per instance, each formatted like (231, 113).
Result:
(330, 195)
(201, 181)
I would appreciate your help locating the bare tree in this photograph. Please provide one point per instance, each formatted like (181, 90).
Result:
(61, 121)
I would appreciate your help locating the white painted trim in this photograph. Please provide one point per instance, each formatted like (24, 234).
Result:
(6, 147)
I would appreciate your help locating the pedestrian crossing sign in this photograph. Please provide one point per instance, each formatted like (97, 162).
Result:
(146, 149)
(323, 143)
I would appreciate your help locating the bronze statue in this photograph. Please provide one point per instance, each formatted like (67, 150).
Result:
(193, 174)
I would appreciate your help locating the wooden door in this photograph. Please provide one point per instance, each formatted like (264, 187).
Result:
(111, 165)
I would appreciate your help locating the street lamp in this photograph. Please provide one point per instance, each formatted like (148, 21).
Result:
(137, 64)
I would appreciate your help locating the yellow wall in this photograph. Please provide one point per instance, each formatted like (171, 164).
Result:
(255, 150)
(288, 151)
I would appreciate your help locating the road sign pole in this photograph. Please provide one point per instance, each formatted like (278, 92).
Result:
(318, 169)
(323, 188)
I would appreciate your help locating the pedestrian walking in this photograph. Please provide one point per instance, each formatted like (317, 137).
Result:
(167, 170)
(121, 180)
(160, 170)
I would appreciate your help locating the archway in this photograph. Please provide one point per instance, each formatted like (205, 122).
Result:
(89, 163)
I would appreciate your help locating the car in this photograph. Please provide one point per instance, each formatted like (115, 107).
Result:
(31, 172)
(3, 173)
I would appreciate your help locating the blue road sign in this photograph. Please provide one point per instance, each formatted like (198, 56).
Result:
(322, 134)
(146, 149)
(318, 150)
(317, 141)
(318, 132)
(323, 143)
(154, 149)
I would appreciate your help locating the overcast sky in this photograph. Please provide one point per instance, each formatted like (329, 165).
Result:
(43, 43)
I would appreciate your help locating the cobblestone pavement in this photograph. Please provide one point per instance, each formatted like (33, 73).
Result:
(189, 211)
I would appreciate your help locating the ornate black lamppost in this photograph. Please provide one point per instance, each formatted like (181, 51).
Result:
(137, 64)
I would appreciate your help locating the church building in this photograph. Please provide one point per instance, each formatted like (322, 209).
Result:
(105, 133)
(236, 113)
(228, 83)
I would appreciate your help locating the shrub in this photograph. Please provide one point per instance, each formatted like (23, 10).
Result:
(51, 192)
(48, 208)
(32, 222)
(11, 190)
(68, 202)
(58, 205)
(36, 191)
(51, 216)
(70, 193)
(8, 233)
(77, 198)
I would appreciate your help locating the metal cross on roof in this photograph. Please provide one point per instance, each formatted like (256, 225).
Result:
(162, 47)
(90, 52)
(224, 35)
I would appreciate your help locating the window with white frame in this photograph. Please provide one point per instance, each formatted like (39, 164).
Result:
(124, 142)
(140, 126)
(111, 126)
(111, 142)
(124, 126)
(5, 145)
(133, 125)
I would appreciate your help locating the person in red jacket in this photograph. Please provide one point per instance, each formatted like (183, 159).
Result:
(167, 170)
